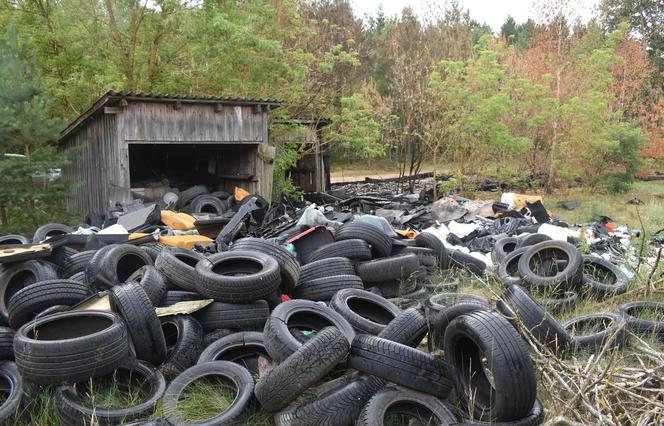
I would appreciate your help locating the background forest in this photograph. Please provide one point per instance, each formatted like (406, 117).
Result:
(552, 99)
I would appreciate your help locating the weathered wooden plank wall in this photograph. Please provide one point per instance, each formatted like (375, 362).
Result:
(94, 169)
(200, 123)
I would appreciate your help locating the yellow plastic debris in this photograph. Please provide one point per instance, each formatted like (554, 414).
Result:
(406, 233)
(184, 241)
(177, 221)
(137, 235)
(240, 194)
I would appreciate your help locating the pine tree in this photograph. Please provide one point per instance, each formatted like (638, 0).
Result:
(30, 193)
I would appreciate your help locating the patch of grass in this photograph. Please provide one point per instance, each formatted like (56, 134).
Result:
(206, 398)
(119, 390)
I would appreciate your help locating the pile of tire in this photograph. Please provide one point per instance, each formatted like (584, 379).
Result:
(545, 278)
(351, 325)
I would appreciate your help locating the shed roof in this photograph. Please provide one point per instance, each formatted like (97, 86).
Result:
(112, 98)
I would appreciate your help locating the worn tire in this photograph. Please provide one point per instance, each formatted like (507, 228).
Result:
(178, 267)
(302, 369)
(511, 392)
(324, 288)
(429, 240)
(459, 259)
(422, 408)
(71, 410)
(340, 406)
(237, 413)
(641, 326)
(150, 279)
(380, 242)
(569, 278)
(288, 264)
(388, 268)
(400, 364)
(208, 204)
(299, 314)
(175, 296)
(76, 263)
(613, 283)
(396, 288)
(7, 343)
(243, 348)
(92, 268)
(238, 276)
(215, 335)
(508, 268)
(326, 268)
(119, 263)
(409, 327)
(185, 197)
(541, 325)
(365, 311)
(50, 230)
(244, 316)
(439, 322)
(426, 257)
(34, 298)
(15, 276)
(184, 342)
(613, 331)
(532, 239)
(10, 408)
(13, 239)
(131, 302)
(78, 345)
(353, 249)
(502, 248)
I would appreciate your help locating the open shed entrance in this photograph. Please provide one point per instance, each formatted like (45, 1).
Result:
(220, 167)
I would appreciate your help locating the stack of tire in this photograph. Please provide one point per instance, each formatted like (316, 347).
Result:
(544, 278)
(198, 199)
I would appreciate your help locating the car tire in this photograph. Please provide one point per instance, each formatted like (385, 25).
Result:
(238, 276)
(365, 311)
(133, 304)
(388, 268)
(184, 343)
(238, 412)
(78, 345)
(289, 266)
(471, 339)
(310, 362)
(380, 242)
(31, 300)
(178, 267)
(426, 409)
(299, 314)
(400, 364)
(71, 410)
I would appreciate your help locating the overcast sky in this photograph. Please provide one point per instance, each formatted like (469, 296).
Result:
(492, 12)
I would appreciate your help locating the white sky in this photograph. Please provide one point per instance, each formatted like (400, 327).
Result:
(492, 12)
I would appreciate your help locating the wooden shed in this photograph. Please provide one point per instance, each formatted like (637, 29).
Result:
(129, 140)
(312, 171)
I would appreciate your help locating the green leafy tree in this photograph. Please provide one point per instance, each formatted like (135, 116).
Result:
(472, 113)
(29, 191)
(646, 17)
(356, 128)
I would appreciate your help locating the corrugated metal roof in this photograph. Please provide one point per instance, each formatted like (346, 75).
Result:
(112, 97)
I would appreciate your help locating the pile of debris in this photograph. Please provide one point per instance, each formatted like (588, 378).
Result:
(280, 299)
